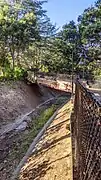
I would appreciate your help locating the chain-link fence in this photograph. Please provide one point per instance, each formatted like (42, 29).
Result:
(86, 135)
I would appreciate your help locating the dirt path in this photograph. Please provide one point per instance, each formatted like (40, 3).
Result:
(97, 93)
(52, 160)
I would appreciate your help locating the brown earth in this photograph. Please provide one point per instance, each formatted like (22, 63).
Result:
(14, 144)
(52, 160)
(18, 98)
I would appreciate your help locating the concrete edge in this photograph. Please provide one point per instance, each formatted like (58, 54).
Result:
(19, 120)
(35, 141)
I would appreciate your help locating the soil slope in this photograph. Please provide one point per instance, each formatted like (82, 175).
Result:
(18, 98)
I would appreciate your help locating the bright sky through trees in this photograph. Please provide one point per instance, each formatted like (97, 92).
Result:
(29, 40)
(63, 11)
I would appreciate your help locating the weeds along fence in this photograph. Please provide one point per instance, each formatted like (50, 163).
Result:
(86, 135)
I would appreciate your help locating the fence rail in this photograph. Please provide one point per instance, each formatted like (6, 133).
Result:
(86, 135)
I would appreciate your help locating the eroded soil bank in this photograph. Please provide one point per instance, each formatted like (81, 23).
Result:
(18, 98)
(14, 144)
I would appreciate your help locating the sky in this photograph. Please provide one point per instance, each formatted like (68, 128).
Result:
(63, 11)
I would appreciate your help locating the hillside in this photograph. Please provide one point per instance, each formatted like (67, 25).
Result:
(18, 98)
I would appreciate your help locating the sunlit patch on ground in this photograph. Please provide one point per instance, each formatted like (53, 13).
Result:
(52, 160)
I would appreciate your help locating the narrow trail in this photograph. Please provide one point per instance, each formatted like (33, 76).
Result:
(52, 160)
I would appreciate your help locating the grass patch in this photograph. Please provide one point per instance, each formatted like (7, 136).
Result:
(61, 100)
(36, 125)
(22, 140)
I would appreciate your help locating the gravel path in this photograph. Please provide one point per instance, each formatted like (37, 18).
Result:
(52, 160)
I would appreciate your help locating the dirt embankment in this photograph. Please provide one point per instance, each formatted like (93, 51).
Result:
(18, 98)
(14, 144)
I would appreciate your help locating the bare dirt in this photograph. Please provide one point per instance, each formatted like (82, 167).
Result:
(14, 144)
(18, 98)
(52, 160)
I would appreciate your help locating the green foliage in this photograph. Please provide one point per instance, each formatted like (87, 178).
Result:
(8, 74)
(78, 47)
(23, 24)
(58, 56)
(28, 40)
